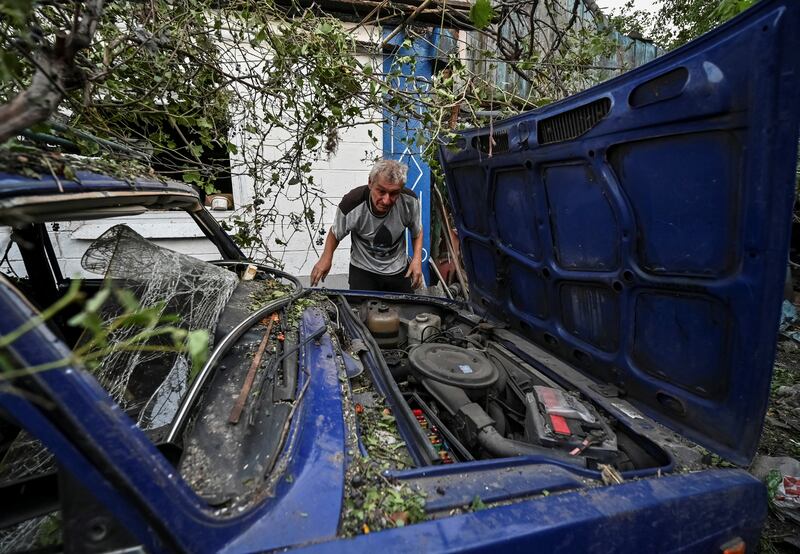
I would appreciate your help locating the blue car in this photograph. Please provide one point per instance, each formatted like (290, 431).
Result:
(626, 250)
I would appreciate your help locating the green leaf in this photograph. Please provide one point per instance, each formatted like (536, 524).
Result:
(17, 10)
(77, 320)
(128, 300)
(69, 173)
(9, 66)
(144, 318)
(96, 302)
(171, 318)
(197, 345)
(477, 504)
(28, 172)
(178, 335)
(773, 481)
(192, 177)
(481, 13)
(92, 323)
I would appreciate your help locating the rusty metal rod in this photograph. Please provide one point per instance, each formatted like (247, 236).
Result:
(236, 411)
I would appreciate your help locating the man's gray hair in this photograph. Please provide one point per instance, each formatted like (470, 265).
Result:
(393, 171)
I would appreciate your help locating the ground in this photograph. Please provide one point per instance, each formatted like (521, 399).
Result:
(781, 437)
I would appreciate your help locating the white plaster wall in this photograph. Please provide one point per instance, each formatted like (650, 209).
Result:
(348, 167)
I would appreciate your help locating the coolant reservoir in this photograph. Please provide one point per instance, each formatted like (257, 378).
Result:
(383, 321)
(423, 327)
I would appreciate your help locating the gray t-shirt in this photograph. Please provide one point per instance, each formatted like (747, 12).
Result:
(377, 243)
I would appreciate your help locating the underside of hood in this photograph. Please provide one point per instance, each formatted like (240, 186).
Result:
(640, 229)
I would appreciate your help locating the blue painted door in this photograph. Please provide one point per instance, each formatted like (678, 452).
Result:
(400, 130)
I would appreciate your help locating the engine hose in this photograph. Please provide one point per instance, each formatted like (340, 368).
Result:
(497, 444)
(496, 413)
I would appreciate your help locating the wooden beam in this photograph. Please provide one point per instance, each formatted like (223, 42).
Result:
(454, 14)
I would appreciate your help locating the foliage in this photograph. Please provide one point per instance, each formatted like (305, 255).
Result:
(270, 290)
(186, 85)
(477, 504)
(481, 14)
(33, 162)
(206, 92)
(150, 324)
(379, 432)
(374, 501)
(677, 22)
(779, 438)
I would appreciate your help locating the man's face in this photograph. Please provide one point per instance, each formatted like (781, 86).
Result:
(383, 194)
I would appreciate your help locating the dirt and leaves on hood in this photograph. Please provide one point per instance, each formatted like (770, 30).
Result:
(36, 163)
(274, 289)
(269, 291)
(374, 501)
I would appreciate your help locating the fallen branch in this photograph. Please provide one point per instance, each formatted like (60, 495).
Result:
(56, 73)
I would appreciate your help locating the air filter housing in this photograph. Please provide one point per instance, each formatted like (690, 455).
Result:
(453, 365)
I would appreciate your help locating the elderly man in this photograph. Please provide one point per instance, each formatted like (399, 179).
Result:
(377, 215)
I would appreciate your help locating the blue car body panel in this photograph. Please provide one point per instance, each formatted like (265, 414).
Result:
(12, 185)
(650, 250)
(102, 448)
(640, 229)
(691, 513)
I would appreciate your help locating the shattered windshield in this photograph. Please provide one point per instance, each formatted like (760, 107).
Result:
(193, 291)
(148, 384)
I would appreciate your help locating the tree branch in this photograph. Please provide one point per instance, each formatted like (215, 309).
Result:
(55, 74)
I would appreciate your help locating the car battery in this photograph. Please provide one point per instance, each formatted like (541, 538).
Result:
(558, 419)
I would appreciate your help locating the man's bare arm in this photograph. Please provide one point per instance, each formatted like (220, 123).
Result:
(415, 267)
(323, 266)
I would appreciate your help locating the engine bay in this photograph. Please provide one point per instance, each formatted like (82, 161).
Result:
(475, 399)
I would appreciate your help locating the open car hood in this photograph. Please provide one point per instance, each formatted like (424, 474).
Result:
(641, 228)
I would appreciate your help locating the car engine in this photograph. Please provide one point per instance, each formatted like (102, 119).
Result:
(476, 400)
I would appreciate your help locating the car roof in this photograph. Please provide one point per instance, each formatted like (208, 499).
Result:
(88, 195)
(14, 185)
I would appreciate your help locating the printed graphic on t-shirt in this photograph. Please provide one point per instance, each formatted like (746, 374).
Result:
(384, 246)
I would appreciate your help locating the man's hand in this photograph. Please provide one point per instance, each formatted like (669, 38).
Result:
(320, 271)
(415, 272)
(323, 266)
